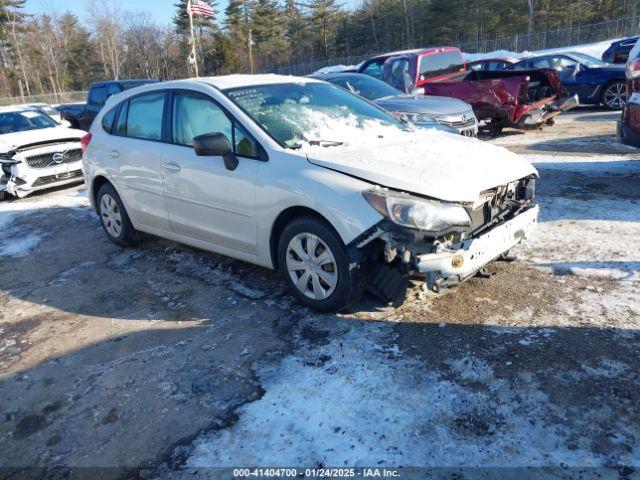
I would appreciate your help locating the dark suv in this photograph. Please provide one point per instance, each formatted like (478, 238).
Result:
(81, 115)
(618, 52)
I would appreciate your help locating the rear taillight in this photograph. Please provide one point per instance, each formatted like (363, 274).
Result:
(84, 142)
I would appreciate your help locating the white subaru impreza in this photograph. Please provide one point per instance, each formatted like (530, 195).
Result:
(305, 177)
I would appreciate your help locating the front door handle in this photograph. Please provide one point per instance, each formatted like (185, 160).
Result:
(114, 153)
(174, 167)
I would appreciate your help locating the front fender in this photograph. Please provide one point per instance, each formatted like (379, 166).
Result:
(335, 196)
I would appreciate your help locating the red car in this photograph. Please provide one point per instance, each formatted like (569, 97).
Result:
(629, 124)
(520, 99)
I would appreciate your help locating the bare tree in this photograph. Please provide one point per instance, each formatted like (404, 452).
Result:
(12, 23)
(107, 20)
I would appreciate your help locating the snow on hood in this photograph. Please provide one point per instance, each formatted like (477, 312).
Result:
(428, 162)
(10, 141)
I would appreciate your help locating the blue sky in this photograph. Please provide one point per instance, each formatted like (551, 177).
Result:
(161, 10)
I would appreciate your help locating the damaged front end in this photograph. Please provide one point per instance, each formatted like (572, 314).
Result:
(445, 242)
(7, 179)
(41, 165)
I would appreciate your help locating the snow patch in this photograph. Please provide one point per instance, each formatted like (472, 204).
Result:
(334, 69)
(357, 408)
(594, 49)
(20, 246)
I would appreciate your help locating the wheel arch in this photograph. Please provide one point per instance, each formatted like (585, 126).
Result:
(97, 182)
(284, 218)
(606, 85)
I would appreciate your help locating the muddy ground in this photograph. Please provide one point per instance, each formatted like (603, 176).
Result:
(166, 361)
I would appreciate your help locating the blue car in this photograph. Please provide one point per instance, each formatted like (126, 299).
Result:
(595, 82)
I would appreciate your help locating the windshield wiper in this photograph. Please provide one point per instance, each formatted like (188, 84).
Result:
(325, 143)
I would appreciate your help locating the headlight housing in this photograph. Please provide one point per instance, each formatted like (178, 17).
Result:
(414, 212)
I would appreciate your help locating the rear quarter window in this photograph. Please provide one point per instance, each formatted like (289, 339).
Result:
(108, 118)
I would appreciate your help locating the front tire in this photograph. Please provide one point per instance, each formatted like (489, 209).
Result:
(114, 218)
(614, 95)
(314, 263)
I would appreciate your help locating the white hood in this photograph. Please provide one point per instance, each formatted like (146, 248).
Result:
(432, 163)
(10, 141)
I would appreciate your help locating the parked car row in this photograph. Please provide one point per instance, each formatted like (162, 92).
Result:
(427, 111)
(500, 99)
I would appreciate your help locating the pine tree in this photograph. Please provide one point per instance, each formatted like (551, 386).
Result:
(323, 16)
(267, 26)
(236, 25)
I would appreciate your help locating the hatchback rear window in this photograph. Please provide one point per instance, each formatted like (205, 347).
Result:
(441, 64)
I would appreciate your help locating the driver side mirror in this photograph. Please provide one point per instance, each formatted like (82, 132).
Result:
(215, 145)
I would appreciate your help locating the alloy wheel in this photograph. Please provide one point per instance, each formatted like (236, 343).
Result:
(615, 95)
(312, 266)
(110, 215)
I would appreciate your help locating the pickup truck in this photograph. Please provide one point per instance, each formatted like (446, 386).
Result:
(522, 99)
(80, 115)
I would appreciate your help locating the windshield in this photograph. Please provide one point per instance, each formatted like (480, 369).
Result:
(293, 113)
(12, 122)
(367, 87)
(588, 60)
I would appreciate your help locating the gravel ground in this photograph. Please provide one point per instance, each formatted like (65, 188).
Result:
(166, 360)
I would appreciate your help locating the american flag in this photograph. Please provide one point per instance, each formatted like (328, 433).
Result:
(199, 7)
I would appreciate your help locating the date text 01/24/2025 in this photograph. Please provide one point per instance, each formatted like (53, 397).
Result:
(315, 472)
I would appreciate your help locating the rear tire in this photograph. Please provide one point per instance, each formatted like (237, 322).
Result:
(314, 263)
(614, 95)
(114, 218)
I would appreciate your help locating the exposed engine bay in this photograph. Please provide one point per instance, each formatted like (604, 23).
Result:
(395, 253)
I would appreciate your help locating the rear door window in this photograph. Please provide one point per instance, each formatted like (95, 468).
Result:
(400, 74)
(141, 117)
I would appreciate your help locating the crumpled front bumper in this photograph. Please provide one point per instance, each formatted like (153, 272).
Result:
(24, 180)
(456, 265)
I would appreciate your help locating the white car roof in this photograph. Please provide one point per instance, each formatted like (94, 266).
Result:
(15, 108)
(232, 81)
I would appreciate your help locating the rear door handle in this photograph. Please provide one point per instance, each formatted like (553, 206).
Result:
(114, 153)
(174, 167)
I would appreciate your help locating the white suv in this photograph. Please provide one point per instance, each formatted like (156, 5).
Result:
(299, 175)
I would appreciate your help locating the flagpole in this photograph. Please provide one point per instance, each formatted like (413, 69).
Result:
(193, 41)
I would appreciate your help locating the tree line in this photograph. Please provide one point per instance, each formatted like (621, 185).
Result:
(49, 53)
